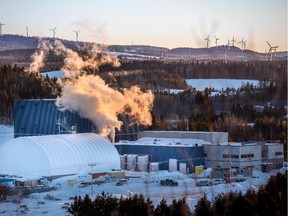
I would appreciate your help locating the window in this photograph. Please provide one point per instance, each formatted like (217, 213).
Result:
(225, 156)
(278, 153)
(234, 156)
(247, 156)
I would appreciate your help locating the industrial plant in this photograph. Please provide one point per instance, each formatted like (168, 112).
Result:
(49, 142)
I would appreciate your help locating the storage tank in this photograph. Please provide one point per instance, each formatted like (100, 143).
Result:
(172, 165)
(142, 163)
(123, 162)
(131, 162)
(154, 167)
(182, 168)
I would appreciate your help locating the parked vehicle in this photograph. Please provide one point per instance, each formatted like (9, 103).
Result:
(217, 181)
(202, 183)
(121, 182)
(168, 182)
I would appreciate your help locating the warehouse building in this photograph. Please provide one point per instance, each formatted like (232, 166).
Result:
(272, 156)
(242, 157)
(42, 117)
(53, 155)
(169, 154)
(34, 117)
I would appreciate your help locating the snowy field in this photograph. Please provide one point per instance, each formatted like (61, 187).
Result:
(219, 84)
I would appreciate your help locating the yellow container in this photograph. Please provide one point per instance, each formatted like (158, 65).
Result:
(199, 169)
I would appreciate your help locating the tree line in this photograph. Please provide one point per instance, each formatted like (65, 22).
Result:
(195, 69)
(16, 84)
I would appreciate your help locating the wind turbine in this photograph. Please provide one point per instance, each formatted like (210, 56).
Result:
(216, 39)
(243, 44)
(228, 44)
(26, 31)
(208, 41)
(54, 33)
(77, 32)
(271, 50)
(1, 24)
(233, 41)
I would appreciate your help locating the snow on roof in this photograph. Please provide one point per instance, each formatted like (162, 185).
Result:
(58, 154)
(165, 142)
(234, 144)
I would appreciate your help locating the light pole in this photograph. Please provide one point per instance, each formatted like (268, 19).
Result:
(91, 165)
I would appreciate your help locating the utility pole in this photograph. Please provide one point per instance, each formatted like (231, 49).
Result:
(91, 165)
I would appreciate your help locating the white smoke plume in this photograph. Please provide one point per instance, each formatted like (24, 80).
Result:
(93, 99)
(88, 95)
(73, 63)
(39, 56)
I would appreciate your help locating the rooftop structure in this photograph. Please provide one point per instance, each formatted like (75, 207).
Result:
(212, 137)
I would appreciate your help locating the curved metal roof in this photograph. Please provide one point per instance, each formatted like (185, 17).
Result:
(58, 154)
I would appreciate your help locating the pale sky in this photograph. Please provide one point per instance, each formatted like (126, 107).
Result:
(165, 23)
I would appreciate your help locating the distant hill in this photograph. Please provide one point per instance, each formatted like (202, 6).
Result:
(15, 48)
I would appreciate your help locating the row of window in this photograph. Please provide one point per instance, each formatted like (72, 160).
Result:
(237, 156)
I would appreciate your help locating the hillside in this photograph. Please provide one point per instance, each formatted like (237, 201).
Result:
(18, 49)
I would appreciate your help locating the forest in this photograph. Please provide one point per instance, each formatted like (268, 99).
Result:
(251, 113)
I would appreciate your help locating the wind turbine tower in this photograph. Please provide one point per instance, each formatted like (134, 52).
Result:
(208, 41)
(216, 39)
(243, 44)
(76, 32)
(228, 44)
(233, 41)
(1, 24)
(271, 50)
(26, 31)
(53, 30)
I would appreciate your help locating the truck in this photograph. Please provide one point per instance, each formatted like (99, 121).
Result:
(168, 182)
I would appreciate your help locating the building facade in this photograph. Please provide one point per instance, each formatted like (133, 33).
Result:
(272, 156)
(241, 157)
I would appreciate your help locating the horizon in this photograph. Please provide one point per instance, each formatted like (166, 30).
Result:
(161, 23)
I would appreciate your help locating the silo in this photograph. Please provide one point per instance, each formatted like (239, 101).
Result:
(142, 163)
(123, 162)
(131, 162)
(154, 167)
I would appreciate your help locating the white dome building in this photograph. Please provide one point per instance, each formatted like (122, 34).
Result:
(58, 155)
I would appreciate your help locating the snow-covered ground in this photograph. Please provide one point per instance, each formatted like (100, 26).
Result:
(219, 84)
(56, 201)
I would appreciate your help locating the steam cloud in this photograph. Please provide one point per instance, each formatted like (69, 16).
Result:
(95, 100)
(89, 95)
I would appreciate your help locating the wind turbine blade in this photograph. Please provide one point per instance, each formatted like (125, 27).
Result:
(268, 44)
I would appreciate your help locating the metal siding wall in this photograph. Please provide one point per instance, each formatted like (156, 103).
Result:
(39, 117)
(192, 156)
(128, 130)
